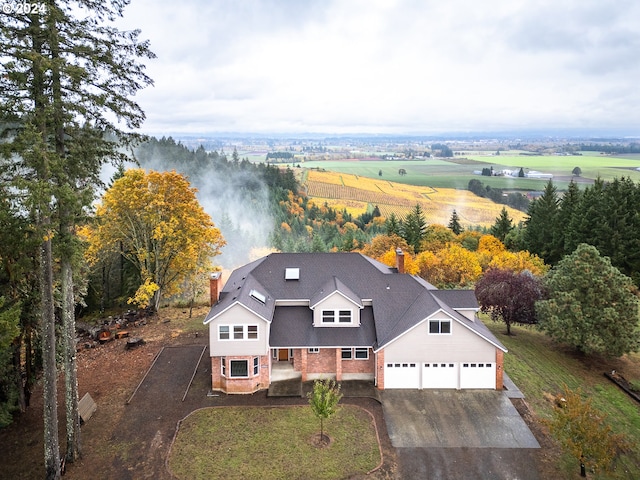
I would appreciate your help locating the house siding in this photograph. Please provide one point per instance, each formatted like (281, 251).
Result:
(238, 315)
(462, 345)
(336, 301)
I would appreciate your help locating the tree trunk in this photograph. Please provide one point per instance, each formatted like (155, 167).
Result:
(51, 445)
(66, 255)
(70, 367)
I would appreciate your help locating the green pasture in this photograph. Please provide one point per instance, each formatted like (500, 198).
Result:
(592, 164)
(449, 174)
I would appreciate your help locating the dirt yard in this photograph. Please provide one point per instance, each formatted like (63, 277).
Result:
(129, 435)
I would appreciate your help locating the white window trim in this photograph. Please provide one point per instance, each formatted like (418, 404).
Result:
(439, 327)
(313, 350)
(327, 313)
(348, 351)
(353, 353)
(339, 315)
(239, 360)
(228, 332)
(355, 356)
(335, 315)
(245, 332)
(256, 366)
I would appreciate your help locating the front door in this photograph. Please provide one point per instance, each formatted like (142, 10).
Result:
(283, 354)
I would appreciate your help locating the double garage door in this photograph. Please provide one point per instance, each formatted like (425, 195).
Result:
(440, 375)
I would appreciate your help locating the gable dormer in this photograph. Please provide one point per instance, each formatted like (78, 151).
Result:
(336, 305)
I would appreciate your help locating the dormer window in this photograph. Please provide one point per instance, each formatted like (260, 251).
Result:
(328, 316)
(337, 316)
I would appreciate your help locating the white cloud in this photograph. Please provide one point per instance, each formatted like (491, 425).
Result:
(388, 66)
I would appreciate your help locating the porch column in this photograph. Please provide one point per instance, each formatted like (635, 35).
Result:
(338, 364)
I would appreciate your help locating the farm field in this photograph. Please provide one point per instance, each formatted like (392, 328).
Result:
(358, 194)
(592, 164)
(456, 172)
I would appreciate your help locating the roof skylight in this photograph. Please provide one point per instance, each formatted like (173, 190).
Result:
(292, 273)
(258, 296)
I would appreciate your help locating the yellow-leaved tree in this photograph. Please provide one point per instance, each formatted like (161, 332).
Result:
(155, 221)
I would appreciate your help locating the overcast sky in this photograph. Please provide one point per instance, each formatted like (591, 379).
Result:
(384, 66)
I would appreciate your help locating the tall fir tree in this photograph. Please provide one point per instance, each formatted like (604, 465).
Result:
(454, 223)
(414, 227)
(68, 77)
(538, 236)
(393, 225)
(567, 208)
(502, 226)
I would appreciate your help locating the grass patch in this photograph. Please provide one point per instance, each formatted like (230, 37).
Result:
(538, 366)
(273, 443)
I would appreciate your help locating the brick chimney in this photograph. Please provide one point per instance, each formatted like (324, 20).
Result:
(215, 285)
(400, 260)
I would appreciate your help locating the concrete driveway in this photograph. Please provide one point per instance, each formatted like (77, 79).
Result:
(449, 435)
(453, 418)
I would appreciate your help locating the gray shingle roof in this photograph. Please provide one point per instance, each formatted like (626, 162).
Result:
(398, 301)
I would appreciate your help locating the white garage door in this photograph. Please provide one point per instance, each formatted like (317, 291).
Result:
(478, 375)
(402, 375)
(440, 375)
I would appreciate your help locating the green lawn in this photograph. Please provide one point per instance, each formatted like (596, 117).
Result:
(273, 443)
(538, 367)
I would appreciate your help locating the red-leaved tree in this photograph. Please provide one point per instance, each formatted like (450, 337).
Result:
(509, 296)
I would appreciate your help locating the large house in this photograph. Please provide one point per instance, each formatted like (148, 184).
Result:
(346, 316)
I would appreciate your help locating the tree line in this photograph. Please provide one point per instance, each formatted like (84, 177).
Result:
(604, 215)
(512, 199)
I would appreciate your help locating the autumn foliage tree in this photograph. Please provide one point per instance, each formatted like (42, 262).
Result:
(509, 296)
(583, 431)
(155, 221)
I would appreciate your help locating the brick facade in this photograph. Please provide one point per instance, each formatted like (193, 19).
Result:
(380, 370)
(329, 362)
(250, 384)
(499, 369)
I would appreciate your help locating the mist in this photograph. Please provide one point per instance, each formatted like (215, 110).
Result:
(236, 200)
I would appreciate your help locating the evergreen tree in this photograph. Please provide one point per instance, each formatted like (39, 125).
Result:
(414, 227)
(587, 224)
(591, 305)
(68, 74)
(568, 207)
(393, 226)
(540, 223)
(454, 223)
(502, 226)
